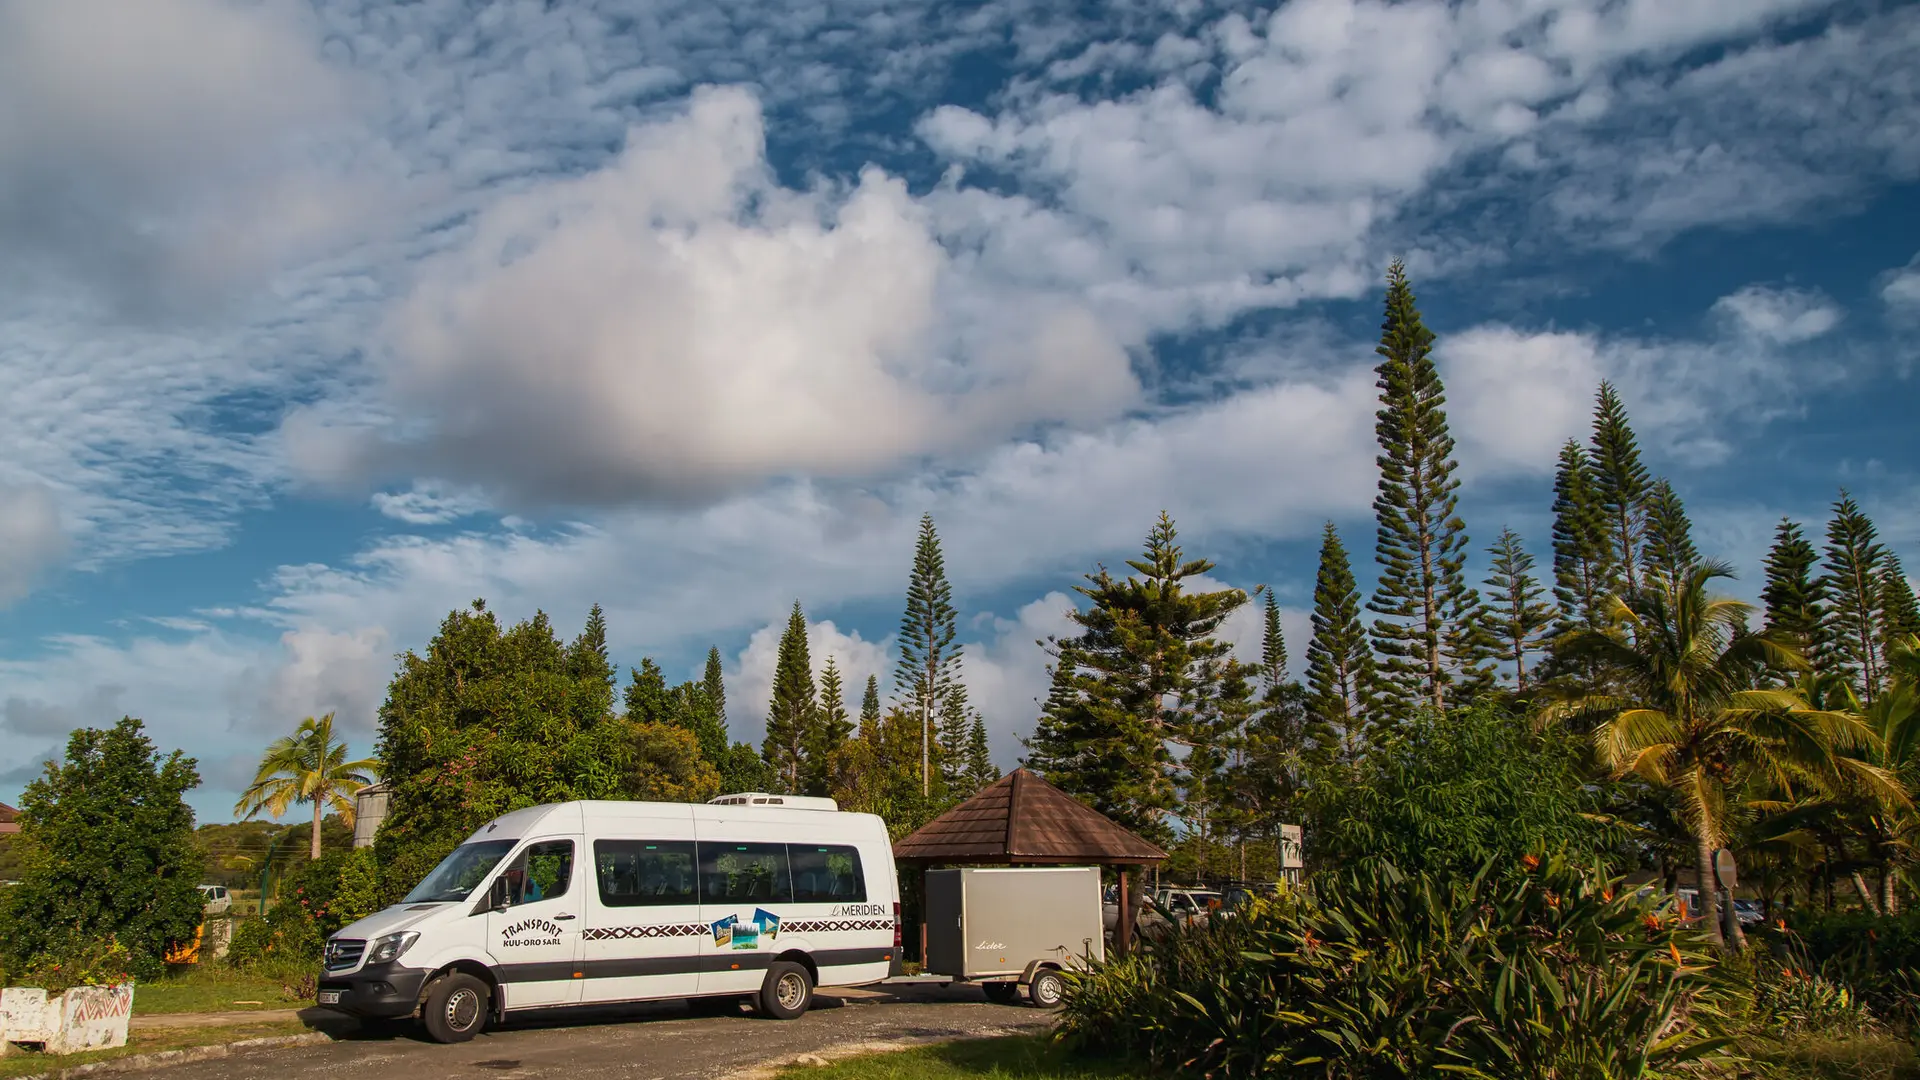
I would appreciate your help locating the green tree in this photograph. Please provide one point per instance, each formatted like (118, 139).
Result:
(588, 664)
(1852, 587)
(1446, 794)
(1686, 713)
(1273, 645)
(307, 767)
(1427, 633)
(831, 730)
(1581, 574)
(1794, 598)
(1516, 620)
(107, 843)
(950, 744)
(981, 770)
(484, 721)
(714, 682)
(647, 695)
(1147, 674)
(1899, 616)
(929, 666)
(870, 702)
(1622, 485)
(1339, 665)
(1668, 551)
(793, 710)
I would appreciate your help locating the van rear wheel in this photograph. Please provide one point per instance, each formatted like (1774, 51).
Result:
(787, 991)
(456, 1008)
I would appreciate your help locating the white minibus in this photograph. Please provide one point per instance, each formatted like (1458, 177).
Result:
(751, 896)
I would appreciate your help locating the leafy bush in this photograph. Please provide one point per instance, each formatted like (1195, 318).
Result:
(1385, 975)
(1793, 1001)
(1450, 794)
(1876, 958)
(99, 963)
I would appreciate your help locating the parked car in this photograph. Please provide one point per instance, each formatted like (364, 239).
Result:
(217, 899)
(1748, 912)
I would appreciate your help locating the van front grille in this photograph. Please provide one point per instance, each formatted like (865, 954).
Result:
(343, 954)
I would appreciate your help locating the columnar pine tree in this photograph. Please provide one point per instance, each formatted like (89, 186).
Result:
(792, 710)
(1273, 646)
(1517, 621)
(1795, 599)
(870, 705)
(929, 655)
(1147, 674)
(831, 729)
(1427, 635)
(950, 741)
(1899, 615)
(1339, 665)
(713, 681)
(587, 663)
(1852, 586)
(1580, 570)
(1622, 484)
(980, 767)
(1668, 552)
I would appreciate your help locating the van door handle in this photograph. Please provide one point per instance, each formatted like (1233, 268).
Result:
(559, 917)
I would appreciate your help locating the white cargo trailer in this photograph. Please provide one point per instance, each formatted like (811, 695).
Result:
(1013, 928)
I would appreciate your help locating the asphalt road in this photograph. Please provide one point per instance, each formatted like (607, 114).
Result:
(654, 1041)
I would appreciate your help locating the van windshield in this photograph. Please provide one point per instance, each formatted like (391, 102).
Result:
(460, 872)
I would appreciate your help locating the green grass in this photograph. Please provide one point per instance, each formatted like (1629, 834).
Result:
(147, 1042)
(1013, 1057)
(215, 988)
(1868, 1057)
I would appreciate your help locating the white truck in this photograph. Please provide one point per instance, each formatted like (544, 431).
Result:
(588, 903)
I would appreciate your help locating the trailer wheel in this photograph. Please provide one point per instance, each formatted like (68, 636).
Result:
(1001, 993)
(786, 993)
(456, 1008)
(1046, 989)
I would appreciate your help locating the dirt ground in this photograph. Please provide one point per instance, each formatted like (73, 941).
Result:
(655, 1041)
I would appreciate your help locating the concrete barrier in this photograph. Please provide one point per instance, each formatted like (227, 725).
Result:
(83, 1018)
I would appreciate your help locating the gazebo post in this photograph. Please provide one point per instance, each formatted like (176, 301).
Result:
(923, 918)
(1123, 929)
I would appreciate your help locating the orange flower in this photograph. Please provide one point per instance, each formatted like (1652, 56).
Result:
(1651, 922)
(1675, 950)
(1606, 895)
(1529, 861)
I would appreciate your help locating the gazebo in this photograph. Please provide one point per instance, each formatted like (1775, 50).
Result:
(1021, 820)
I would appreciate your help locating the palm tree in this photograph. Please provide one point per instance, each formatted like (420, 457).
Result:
(307, 766)
(1684, 708)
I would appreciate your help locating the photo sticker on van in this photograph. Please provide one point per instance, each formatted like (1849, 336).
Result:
(723, 931)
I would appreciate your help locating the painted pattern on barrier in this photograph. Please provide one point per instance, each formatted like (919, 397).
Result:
(116, 1002)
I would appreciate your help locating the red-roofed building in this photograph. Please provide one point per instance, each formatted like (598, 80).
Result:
(9, 819)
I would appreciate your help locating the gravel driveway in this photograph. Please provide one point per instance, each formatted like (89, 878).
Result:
(655, 1041)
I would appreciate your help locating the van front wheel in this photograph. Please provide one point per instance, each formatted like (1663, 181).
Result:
(456, 1008)
(787, 991)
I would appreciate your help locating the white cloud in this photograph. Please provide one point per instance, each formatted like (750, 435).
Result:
(1900, 289)
(676, 325)
(31, 537)
(429, 503)
(750, 681)
(1779, 316)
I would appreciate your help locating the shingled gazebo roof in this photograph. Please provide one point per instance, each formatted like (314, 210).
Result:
(1021, 819)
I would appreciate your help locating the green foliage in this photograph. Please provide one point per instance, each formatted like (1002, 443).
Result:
(1147, 672)
(1273, 644)
(80, 962)
(1854, 557)
(1340, 672)
(108, 851)
(1581, 572)
(826, 749)
(1794, 597)
(793, 710)
(1553, 973)
(358, 893)
(1427, 639)
(489, 720)
(309, 767)
(1515, 621)
(1621, 486)
(1899, 614)
(981, 770)
(1669, 550)
(929, 666)
(1449, 794)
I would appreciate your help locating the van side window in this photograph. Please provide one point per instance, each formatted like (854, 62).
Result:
(645, 873)
(541, 872)
(744, 874)
(825, 874)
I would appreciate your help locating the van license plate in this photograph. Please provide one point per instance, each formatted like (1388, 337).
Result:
(329, 997)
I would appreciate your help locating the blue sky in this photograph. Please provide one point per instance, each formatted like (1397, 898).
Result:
(320, 318)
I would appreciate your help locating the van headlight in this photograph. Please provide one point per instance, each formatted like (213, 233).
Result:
(388, 949)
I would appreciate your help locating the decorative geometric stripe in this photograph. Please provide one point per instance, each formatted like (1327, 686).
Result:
(614, 933)
(832, 926)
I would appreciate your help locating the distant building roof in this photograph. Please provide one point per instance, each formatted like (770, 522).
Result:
(9, 819)
(1022, 819)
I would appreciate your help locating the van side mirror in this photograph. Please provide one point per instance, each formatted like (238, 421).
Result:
(498, 898)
